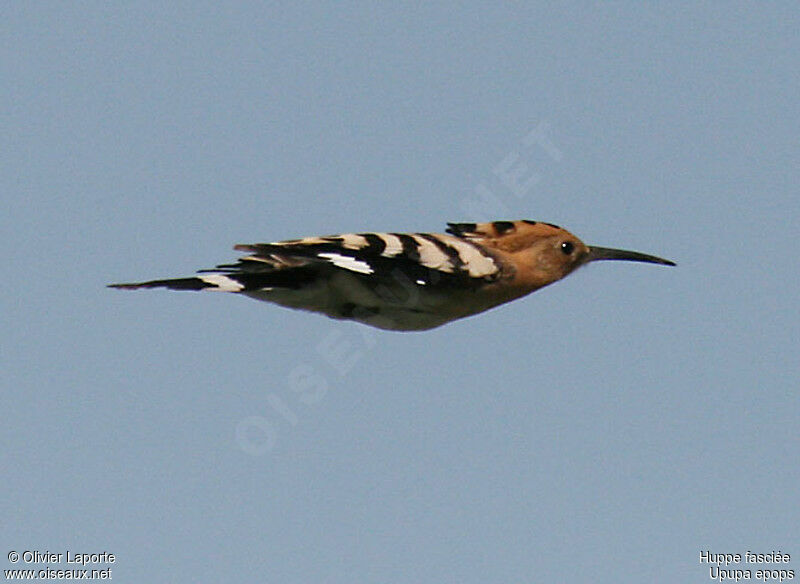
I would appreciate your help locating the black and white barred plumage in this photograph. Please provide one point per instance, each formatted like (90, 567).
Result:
(396, 281)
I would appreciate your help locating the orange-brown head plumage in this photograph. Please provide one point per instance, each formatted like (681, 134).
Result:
(541, 253)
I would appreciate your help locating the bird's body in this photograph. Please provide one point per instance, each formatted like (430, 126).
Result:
(399, 281)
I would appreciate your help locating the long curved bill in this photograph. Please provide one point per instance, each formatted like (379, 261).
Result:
(607, 253)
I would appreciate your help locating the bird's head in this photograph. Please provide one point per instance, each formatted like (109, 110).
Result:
(544, 253)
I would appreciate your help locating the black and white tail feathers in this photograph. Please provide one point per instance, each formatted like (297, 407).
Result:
(220, 280)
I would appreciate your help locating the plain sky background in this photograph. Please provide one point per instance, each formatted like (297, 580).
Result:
(605, 429)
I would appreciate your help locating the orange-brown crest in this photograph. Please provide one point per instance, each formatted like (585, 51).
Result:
(509, 236)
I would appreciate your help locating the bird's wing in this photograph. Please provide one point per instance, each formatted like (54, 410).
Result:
(434, 260)
(420, 257)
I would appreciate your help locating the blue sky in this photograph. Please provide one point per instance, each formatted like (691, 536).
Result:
(605, 429)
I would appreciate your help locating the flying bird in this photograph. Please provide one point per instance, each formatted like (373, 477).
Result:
(404, 281)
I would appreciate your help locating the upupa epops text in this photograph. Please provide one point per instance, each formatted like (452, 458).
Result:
(404, 282)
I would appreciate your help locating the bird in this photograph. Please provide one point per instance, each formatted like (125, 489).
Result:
(404, 281)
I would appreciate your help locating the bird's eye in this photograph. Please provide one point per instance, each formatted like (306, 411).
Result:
(567, 247)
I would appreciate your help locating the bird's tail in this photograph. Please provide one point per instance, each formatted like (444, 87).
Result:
(231, 281)
(214, 282)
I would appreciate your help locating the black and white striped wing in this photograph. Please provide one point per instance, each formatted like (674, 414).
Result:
(380, 258)
(393, 281)
(389, 259)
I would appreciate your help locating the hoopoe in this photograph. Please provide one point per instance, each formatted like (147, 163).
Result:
(404, 282)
